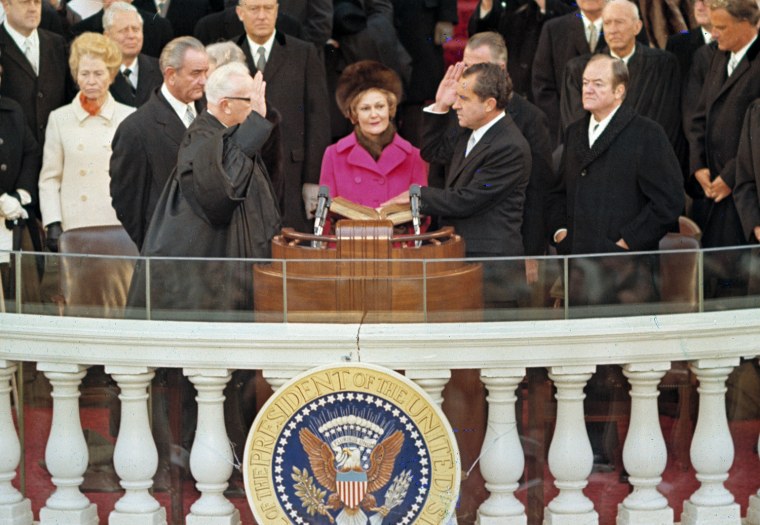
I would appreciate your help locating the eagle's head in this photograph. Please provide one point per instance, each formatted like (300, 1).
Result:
(349, 458)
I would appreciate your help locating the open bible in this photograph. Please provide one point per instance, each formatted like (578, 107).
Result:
(396, 213)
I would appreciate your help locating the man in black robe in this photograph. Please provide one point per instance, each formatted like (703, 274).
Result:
(655, 83)
(218, 203)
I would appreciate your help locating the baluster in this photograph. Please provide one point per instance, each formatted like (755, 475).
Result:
(432, 382)
(135, 456)
(502, 460)
(644, 453)
(14, 508)
(211, 459)
(66, 454)
(277, 378)
(712, 449)
(570, 455)
(753, 509)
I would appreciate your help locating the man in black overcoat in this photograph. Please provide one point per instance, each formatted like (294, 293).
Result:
(655, 84)
(157, 31)
(139, 75)
(620, 185)
(146, 143)
(747, 188)
(40, 81)
(297, 89)
(716, 123)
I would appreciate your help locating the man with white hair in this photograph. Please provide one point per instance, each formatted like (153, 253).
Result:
(218, 203)
(139, 74)
(655, 82)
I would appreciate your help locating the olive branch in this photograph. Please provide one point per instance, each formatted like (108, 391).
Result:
(311, 496)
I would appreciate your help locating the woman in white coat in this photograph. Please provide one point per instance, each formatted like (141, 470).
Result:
(74, 181)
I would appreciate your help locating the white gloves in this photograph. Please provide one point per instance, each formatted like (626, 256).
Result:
(310, 193)
(11, 208)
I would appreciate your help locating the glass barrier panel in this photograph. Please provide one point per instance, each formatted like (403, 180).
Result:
(731, 278)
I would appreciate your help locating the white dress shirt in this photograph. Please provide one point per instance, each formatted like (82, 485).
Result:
(179, 107)
(255, 48)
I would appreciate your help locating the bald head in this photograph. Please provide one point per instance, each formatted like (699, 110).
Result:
(621, 24)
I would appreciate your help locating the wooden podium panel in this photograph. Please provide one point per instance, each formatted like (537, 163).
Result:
(366, 274)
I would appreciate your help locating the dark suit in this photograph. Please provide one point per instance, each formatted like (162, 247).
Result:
(747, 188)
(20, 155)
(653, 91)
(314, 17)
(520, 24)
(37, 95)
(296, 87)
(225, 25)
(149, 78)
(700, 65)
(683, 46)
(157, 31)
(144, 153)
(627, 185)
(562, 39)
(714, 139)
(484, 193)
(182, 14)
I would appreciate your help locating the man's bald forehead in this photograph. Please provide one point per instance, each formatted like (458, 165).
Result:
(618, 6)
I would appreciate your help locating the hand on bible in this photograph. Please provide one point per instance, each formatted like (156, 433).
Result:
(401, 198)
(720, 189)
(258, 100)
(447, 89)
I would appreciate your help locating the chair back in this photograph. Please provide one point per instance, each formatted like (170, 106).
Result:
(91, 285)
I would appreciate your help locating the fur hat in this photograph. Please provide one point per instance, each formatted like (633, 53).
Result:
(361, 76)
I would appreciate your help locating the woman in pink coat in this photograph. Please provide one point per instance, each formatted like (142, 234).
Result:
(372, 164)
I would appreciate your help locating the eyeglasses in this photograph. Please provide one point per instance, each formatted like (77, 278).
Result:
(245, 99)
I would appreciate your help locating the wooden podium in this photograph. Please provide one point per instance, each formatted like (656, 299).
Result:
(366, 274)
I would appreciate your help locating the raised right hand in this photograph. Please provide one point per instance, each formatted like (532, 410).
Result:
(447, 89)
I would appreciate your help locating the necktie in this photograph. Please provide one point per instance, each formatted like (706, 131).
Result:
(161, 8)
(261, 62)
(470, 144)
(189, 115)
(593, 36)
(29, 55)
(732, 64)
(127, 72)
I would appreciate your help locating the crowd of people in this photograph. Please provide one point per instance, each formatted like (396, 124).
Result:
(563, 127)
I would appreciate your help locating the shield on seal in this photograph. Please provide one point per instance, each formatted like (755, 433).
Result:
(352, 486)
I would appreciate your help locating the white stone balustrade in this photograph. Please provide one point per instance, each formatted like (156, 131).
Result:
(135, 456)
(712, 448)
(63, 348)
(14, 508)
(211, 458)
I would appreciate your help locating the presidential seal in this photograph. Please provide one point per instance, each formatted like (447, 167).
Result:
(351, 445)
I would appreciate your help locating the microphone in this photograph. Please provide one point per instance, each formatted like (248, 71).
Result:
(414, 201)
(320, 215)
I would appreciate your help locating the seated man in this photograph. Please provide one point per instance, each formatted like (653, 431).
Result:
(218, 203)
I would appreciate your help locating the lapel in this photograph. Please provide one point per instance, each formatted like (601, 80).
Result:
(460, 163)
(11, 50)
(618, 123)
(121, 91)
(277, 57)
(168, 119)
(741, 69)
(577, 36)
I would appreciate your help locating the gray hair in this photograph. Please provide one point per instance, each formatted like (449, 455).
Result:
(173, 54)
(224, 80)
(494, 42)
(223, 53)
(633, 8)
(118, 7)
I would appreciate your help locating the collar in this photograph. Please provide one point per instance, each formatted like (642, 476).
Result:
(625, 58)
(482, 130)
(178, 106)
(106, 111)
(20, 39)
(254, 47)
(132, 67)
(706, 35)
(743, 51)
(586, 22)
(592, 123)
